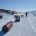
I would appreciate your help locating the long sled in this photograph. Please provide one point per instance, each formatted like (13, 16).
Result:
(7, 26)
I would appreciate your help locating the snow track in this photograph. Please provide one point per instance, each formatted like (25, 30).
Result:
(22, 28)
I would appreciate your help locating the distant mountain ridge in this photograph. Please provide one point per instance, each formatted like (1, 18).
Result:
(6, 11)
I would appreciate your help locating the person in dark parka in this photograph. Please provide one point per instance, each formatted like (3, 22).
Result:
(26, 14)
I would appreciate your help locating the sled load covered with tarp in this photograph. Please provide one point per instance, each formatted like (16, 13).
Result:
(1, 15)
(7, 26)
(17, 17)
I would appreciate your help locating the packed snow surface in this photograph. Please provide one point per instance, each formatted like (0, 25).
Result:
(26, 26)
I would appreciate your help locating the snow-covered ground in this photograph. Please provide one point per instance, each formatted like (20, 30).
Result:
(22, 28)
(32, 20)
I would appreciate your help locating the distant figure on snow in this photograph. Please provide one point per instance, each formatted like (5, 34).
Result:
(26, 14)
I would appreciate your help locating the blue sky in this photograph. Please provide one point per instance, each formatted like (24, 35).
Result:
(19, 5)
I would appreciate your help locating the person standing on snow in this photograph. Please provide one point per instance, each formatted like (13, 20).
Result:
(26, 14)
